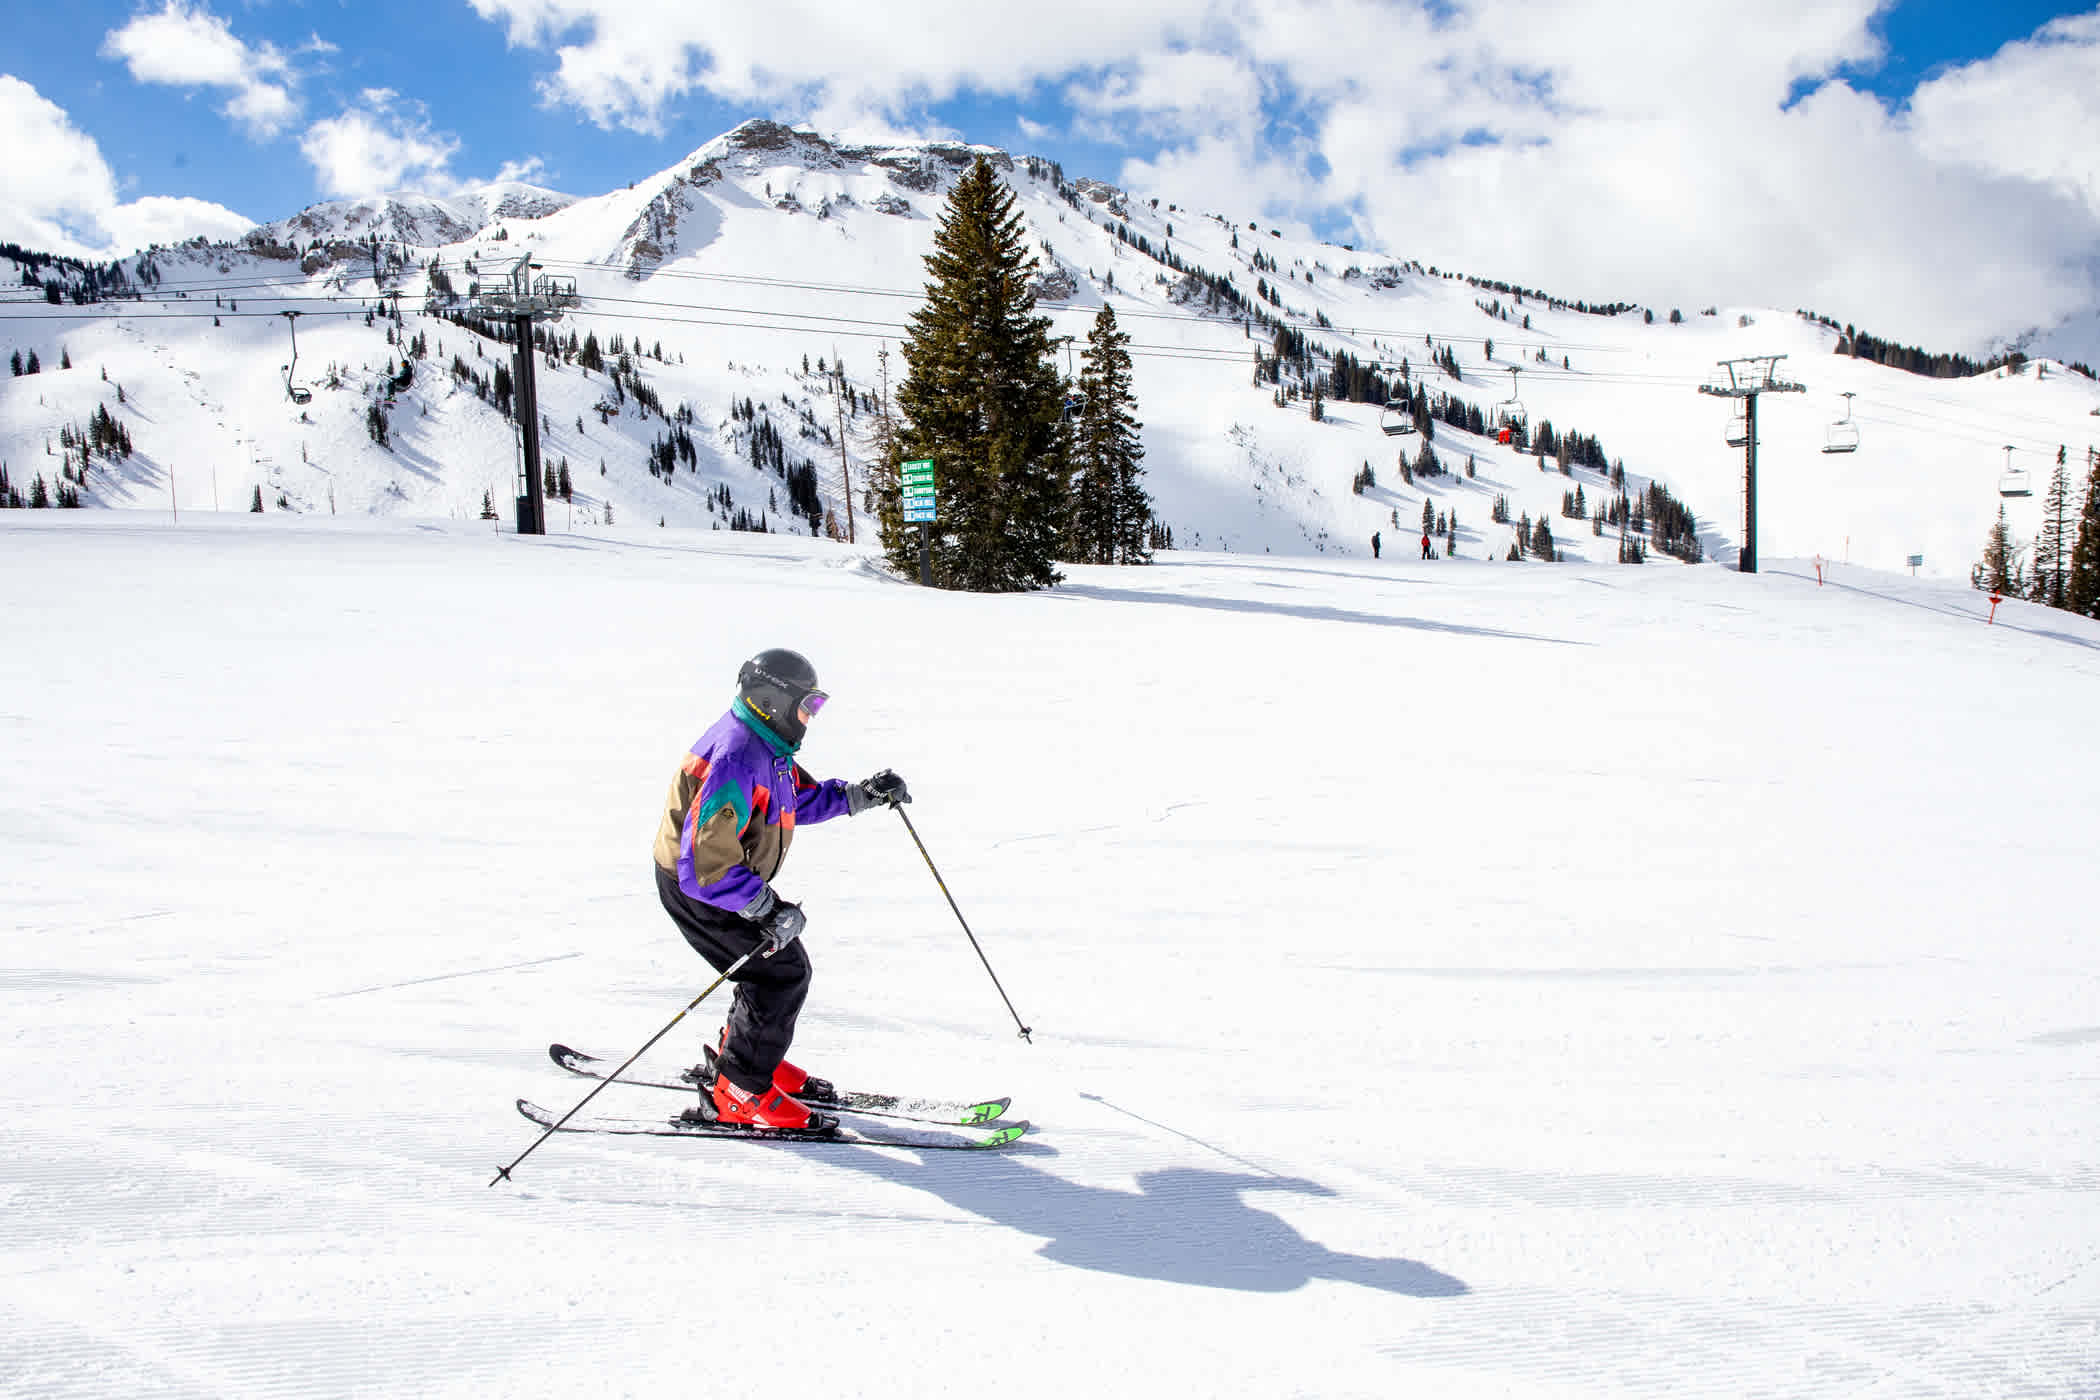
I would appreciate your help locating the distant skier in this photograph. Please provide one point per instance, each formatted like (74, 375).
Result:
(728, 821)
(1425, 546)
(1375, 542)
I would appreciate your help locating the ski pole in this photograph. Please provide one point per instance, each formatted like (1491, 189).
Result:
(1025, 1035)
(503, 1173)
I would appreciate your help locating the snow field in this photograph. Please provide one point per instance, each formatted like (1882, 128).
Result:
(1455, 978)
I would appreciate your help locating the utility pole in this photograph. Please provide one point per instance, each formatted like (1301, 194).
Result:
(522, 301)
(838, 402)
(1745, 379)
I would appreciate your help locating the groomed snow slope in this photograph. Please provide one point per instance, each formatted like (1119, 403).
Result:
(766, 248)
(1454, 979)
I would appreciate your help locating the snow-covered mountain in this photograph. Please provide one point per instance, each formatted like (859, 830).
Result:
(416, 220)
(744, 272)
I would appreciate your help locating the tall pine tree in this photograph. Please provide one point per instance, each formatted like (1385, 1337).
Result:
(1111, 511)
(2082, 590)
(2052, 548)
(982, 399)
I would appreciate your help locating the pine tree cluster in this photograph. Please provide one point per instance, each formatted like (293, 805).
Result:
(1028, 469)
(2066, 562)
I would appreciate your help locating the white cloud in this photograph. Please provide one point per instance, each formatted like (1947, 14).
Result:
(1604, 149)
(387, 144)
(624, 62)
(61, 197)
(529, 171)
(2030, 110)
(168, 219)
(183, 47)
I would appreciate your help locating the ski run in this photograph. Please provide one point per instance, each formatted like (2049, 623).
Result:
(1448, 978)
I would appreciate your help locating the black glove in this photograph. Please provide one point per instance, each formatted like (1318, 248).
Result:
(885, 789)
(780, 927)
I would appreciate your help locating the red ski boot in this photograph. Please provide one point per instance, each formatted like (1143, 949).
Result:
(792, 1079)
(772, 1109)
(788, 1078)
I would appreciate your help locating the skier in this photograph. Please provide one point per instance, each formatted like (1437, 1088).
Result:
(1425, 545)
(1375, 542)
(728, 820)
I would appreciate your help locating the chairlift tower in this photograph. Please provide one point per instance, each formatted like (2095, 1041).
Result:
(522, 301)
(1743, 380)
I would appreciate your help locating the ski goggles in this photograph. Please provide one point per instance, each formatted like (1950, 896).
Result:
(811, 704)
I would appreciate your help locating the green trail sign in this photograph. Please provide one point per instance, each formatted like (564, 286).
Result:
(917, 491)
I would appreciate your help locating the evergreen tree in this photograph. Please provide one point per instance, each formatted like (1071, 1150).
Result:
(1111, 511)
(983, 400)
(2082, 589)
(255, 507)
(1542, 540)
(2052, 548)
(39, 494)
(14, 362)
(31, 365)
(2000, 571)
(488, 505)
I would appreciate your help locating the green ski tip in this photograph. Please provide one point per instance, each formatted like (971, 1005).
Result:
(984, 1112)
(1006, 1135)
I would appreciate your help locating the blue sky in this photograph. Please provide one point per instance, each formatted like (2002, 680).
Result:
(1421, 126)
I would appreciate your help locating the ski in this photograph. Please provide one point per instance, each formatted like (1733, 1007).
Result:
(952, 1111)
(875, 1135)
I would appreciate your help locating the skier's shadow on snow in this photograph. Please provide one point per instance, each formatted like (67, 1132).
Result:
(1182, 1225)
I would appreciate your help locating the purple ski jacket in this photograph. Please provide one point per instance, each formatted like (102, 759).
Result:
(732, 810)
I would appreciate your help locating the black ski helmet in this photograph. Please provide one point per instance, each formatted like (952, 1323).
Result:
(773, 685)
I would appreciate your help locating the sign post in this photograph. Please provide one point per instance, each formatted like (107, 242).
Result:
(917, 489)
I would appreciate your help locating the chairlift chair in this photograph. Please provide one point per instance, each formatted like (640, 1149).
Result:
(1510, 416)
(1738, 427)
(1842, 435)
(1398, 420)
(2013, 480)
(296, 393)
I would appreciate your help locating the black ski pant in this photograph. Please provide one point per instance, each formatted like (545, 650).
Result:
(769, 991)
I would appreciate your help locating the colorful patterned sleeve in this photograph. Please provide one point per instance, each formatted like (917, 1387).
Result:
(710, 851)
